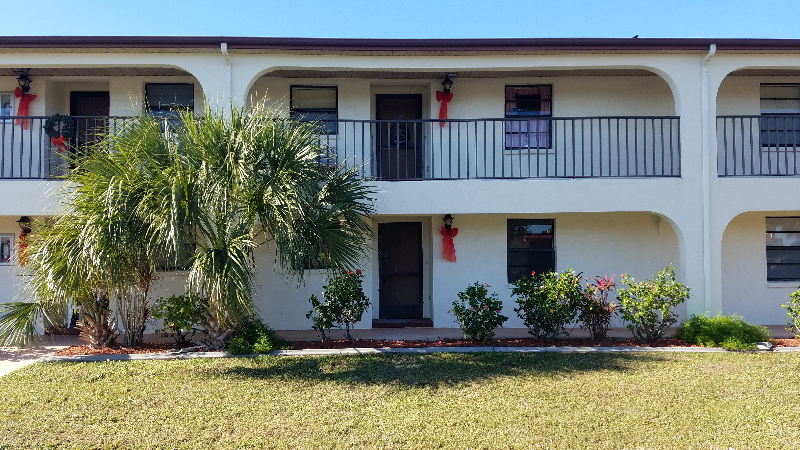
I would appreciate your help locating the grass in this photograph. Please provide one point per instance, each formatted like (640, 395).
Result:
(483, 400)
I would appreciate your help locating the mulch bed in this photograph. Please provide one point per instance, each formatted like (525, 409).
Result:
(523, 342)
(372, 343)
(116, 350)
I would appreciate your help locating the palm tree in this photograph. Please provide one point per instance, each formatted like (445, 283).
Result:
(220, 185)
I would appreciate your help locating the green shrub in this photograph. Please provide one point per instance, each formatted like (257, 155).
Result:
(345, 304)
(251, 335)
(729, 332)
(594, 309)
(477, 312)
(793, 311)
(547, 302)
(647, 305)
(179, 315)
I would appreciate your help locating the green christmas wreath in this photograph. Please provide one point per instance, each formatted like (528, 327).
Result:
(60, 125)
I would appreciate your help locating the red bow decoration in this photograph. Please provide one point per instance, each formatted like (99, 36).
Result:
(24, 101)
(448, 248)
(445, 99)
(59, 142)
(22, 248)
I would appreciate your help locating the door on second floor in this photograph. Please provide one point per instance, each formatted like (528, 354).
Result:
(399, 138)
(90, 111)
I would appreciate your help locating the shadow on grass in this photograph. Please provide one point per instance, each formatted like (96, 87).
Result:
(433, 370)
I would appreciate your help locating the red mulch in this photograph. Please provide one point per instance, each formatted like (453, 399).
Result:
(786, 342)
(371, 343)
(116, 350)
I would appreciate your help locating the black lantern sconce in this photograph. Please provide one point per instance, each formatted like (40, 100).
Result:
(23, 79)
(448, 221)
(25, 224)
(448, 83)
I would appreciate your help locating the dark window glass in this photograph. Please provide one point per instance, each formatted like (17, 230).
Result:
(780, 99)
(316, 104)
(783, 248)
(169, 99)
(531, 247)
(523, 103)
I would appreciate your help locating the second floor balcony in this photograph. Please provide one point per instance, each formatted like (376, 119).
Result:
(406, 150)
(758, 145)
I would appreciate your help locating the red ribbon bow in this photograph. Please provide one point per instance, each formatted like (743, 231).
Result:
(448, 248)
(24, 101)
(445, 99)
(59, 142)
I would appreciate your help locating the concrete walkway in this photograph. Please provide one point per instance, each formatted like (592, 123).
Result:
(13, 359)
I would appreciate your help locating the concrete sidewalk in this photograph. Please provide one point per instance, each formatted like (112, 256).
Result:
(13, 359)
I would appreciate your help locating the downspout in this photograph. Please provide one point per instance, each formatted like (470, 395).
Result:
(228, 80)
(706, 181)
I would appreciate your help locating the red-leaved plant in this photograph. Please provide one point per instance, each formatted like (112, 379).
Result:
(595, 310)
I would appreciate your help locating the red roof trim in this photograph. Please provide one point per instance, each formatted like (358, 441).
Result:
(528, 44)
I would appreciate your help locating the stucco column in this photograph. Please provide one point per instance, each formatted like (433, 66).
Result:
(690, 214)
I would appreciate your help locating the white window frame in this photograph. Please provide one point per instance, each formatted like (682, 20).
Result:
(10, 237)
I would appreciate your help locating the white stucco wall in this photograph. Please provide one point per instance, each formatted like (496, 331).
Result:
(639, 244)
(10, 277)
(745, 289)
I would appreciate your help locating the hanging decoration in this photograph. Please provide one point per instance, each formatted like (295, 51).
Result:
(24, 106)
(448, 247)
(22, 248)
(444, 98)
(60, 128)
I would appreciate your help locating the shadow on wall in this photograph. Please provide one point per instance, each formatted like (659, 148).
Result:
(432, 370)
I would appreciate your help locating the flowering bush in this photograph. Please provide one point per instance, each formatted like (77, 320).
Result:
(477, 312)
(345, 304)
(793, 311)
(647, 305)
(548, 302)
(594, 309)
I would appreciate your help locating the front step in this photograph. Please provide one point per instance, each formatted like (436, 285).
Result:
(402, 323)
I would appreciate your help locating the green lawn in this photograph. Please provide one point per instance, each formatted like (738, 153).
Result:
(484, 400)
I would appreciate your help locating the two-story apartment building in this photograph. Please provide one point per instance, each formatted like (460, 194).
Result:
(605, 155)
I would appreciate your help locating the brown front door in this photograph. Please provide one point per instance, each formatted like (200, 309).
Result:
(400, 137)
(90, 110)
(400, 252)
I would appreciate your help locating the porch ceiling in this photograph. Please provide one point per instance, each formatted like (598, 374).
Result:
(765, 72)
(399, 75)
(99, 72)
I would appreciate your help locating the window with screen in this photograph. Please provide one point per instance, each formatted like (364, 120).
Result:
(525, 108)
(316, 104)
(169, 99)
(783, 248)
(780, 103)
(6, 104)
(531, 247)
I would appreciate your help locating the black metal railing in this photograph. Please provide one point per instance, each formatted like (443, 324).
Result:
(571, 147)
(764, 145)
(26, 152)
(540, 147)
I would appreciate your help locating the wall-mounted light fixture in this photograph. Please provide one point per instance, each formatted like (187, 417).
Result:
(448, 83)
(25, 224)
(448, 221)
(23, 79)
